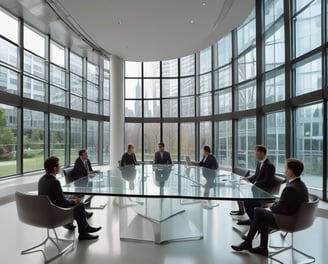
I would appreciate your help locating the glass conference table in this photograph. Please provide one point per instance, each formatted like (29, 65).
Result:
(163, 203)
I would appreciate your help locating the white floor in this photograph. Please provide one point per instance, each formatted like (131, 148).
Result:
(214, 248)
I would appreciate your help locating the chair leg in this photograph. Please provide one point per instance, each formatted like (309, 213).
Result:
(273, 255)
(55, 240)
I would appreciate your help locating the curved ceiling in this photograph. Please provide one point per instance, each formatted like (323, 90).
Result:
(145, 30)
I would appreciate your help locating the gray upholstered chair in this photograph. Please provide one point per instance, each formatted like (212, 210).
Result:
(38, 211)
(290, 224)
(68, 174)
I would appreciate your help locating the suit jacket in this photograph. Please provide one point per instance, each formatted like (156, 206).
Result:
(210, 162)
(165, 160)
(128, 159)
(294, 194)
(264, 177)
(79, 168)
(50, 186)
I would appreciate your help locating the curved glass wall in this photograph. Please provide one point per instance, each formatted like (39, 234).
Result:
(52, 100)
(263, 83)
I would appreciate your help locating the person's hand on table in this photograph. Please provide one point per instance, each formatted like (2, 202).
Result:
(245, 178)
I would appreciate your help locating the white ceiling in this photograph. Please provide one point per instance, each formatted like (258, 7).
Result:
(144, 30)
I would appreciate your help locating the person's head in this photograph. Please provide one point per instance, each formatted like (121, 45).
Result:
(51, 165)
(206, 150)
(130, 148)
(161, 146)
(83, 154)
(260, 152)
(293, 168)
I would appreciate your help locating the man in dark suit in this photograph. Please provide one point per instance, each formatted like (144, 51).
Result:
(263, 178)
(82, 165)
(129, 157)
(294, 194)
(50, 186)
(208, 161)
(162, 156)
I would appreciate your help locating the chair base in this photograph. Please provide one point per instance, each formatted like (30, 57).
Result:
(55, 240)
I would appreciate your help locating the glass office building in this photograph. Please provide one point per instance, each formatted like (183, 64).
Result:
(263, 83)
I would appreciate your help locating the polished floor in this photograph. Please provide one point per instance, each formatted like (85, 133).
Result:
(214, 248)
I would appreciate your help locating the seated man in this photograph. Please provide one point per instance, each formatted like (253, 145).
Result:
(162, 156)
(50, 186)
(82, 165)
(294, 194)
(129, 158)
(208, 161)
(263, 178)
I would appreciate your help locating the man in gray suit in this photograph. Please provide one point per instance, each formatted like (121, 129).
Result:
(162, 156)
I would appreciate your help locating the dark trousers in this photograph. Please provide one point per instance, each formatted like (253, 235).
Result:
(79, 216)
(263, 219)
(250, 205)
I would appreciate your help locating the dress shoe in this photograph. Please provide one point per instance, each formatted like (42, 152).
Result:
(243, 246)
(86, 236)
(259, 251)
(90, 229)
(244, 222)
(88, 214)
(69, 227)
(237, 212)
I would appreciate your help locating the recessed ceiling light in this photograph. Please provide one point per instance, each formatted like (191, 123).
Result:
(204, 4)
(192, 21)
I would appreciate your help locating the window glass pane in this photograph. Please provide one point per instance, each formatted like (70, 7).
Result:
(76, 64)
(8, 140)
(275, 89)
(152, 134)
(170, 68)
(76, 84)
(205, 83)
(246, 33)
(76, 102)
(223, 77)
(93, 73)
(275, 135)
(106, 107)
(205, 105)
(34, 42)
(57, 54)
(133, 88)
(33, 140)
(205, 60)
(57, 96)
(309, 143)
(223, 143)
(76, 138)
(133, 108)
(170, 87)
(57, 76)
(299, 4)
(247, 96)
(170, 107)
(151, 69)
(93, 107)
(170, 138)
(246, 141)
(187, 86)
(9, 26)
(224, 50)
(247, 66)
(34, 65)
(132, 69)
(133, 135)
(223, 101)
(274, 47)
(151, 88)
(152, 108)
(34, 89)
(57, 137)
(8, 81)
(187, 106)
(106, 86)
(273, 10)
(92, 140)
(187, 65)
(92, 91)
(308, 77)
(187, 140)
(106, 143)
(205, 136)
(106, 65)
(307, 26)
(8, 52)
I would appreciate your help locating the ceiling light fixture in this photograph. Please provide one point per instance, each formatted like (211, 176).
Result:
(192, 21)
(204, 4)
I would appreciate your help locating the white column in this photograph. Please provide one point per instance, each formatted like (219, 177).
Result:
(116, 137)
